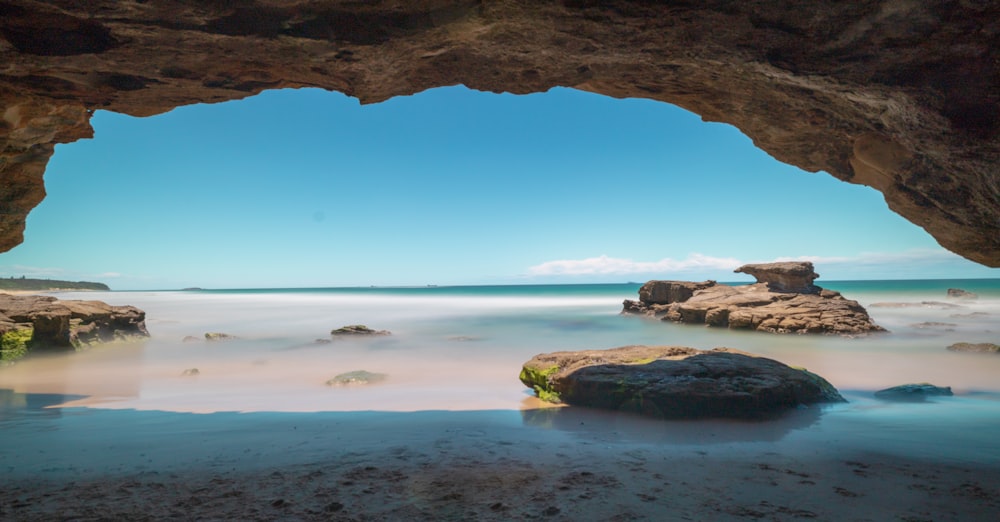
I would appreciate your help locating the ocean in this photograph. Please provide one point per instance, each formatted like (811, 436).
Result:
(460, 349)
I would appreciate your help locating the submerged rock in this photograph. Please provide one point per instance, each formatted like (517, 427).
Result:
(913, 392)
(675, 382)
(932, 325)
(356, 377)
(975, 347)
(358, 329)
(783, 300)
(958, 293)
(921, 304)
(219, 336)
(35, 323)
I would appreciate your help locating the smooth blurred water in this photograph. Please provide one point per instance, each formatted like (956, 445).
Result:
(461, 348)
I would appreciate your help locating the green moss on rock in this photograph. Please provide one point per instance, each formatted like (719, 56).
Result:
(14, 344)
(538, 380)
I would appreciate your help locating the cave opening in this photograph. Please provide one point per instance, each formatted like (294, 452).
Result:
(300, 188)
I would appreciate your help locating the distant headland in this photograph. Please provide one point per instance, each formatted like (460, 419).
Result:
(34, 285)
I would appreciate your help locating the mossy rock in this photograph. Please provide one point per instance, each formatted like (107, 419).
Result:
(357, 329)
(15, 343)
(218, 336)
(356, 377)
(675, 382)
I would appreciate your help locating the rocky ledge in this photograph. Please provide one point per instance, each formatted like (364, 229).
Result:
(675, 382)
(37, 323)
(783, 300)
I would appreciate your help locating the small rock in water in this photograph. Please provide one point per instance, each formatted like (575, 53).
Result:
(216, 336)
(463, 338)
(356, 377)
(934, 324)
(190, 339)
(190, 372)
(958, 293)
(975, 347)
(322, 341)
(913, 392)
(358, 329)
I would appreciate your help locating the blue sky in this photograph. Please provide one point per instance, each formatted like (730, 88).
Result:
(450, 186)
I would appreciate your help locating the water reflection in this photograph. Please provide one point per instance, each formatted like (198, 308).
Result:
(15, 405)
(629, 427)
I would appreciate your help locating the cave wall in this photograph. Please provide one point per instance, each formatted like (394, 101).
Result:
(899, 95)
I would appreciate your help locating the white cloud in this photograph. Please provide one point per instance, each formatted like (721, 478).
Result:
(910, 264)
(604, 265)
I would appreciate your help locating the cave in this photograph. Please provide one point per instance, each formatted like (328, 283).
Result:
(900, 96)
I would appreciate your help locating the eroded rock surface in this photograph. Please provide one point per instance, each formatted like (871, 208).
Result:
(783, 300)
(784, 277)
(900, 96)
(37, 323)
(675, 382)
(357, 330)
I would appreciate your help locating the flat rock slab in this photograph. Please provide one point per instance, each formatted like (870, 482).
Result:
(47, 323)
(675, 382)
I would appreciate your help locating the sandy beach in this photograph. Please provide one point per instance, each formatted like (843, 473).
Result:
(550, 464)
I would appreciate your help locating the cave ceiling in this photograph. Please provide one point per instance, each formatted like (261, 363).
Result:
(899, 95)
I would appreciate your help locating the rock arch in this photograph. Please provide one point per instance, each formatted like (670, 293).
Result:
(900, 95)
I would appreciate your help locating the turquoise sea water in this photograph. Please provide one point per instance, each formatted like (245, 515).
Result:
(461, 348)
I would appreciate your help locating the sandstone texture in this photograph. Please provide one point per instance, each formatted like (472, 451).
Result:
(34, 323)
(675, 382)
(902, 96)
(783, 300)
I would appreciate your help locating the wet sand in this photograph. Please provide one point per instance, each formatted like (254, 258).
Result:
(549, 464)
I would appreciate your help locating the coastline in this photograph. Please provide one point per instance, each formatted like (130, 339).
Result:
(386, 453)
(562, 464)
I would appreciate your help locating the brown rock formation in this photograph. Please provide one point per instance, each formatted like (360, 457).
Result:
(666, 292)
(784, 277)
(675, 381)
(35, 322)
(783, 300)
(901, 96)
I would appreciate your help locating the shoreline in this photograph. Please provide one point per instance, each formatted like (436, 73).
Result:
(564, 464)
